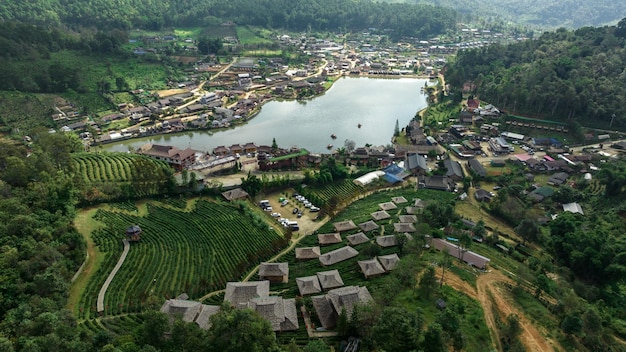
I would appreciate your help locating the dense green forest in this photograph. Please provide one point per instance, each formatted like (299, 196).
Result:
(296, 15)
(547, 13)
(575, 75)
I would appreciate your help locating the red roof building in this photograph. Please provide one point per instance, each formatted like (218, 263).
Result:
(179, 159)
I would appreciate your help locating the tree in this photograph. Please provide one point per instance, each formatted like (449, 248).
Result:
(349, 144)
(620, 31)
(236, 330)
(396, 129)
(251, 184)
(397, 329)
(274, 145)
(433, 339)
(428, 282)
(528, 229)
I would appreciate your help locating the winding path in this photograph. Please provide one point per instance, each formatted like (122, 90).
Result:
(104, 288)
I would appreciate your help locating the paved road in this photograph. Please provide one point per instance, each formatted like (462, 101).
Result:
(104, 288)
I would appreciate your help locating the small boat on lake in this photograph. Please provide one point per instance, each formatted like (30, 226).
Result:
(333, 136)
(329, 146)
(359, 125)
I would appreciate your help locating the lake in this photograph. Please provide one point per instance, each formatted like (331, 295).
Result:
(375, 103)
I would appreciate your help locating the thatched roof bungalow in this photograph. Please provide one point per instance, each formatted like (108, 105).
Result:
(189, 311)
(305, 253)
(371, 268)
(387, 206)
(325, 239)
(399, 200)
(388, 262)
(368, 226)
(281, 313)
(408, 218)
(239, 293)
(346, 225)
(308, 285)
(329, 279)
(274, 272)
(387, 241)
(404, 227)
(338, 255)
(357, 238)
(380, 215)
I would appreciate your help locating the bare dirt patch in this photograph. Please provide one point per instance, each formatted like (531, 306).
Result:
(493, 296)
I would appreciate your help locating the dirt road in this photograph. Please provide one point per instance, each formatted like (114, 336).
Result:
(493, 297)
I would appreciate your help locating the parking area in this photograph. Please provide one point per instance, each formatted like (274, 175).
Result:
(289, 211)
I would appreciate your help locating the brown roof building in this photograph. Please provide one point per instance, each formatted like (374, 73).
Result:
(239, 293)
(357, 238)
(387, 206)
(388, 262)
(177, 158)
(305, 253)
(380, 215)
(371, 268)
(399, 200)
(346, 225)
(404, 227)
(328, 238)
(368, 226)
(274, 272)
(338, 255)
(329, 279)
(387, 241)
(308, 285)
(408, 218)
(235, 194)
(328, 307)
(281, 313)
(189, 312)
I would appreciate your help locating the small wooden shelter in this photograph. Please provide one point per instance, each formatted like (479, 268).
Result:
(133, 233)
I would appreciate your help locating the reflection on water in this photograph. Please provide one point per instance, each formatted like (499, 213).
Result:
(376, 104)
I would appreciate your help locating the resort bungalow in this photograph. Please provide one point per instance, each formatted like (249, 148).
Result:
(281, 313)
(189, 312)
(306, 253)
(338, 255)
(328, 307)
(371, 268)
(274, 272)
(239, 293)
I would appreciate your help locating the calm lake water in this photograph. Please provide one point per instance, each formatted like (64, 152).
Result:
(374, 103)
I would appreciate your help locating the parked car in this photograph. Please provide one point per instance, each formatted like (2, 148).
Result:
(269, 208)
(295, 211)
(276, 215)
(299, 214)
(314, 209)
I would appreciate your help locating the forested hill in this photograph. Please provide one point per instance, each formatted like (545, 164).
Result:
(403, 19)
(545, 13)
(575, 75)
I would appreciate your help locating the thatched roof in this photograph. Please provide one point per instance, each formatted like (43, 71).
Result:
(308, 252)
(404, 227)
(387, 206)
(380, 215)
(408, 218)
(418, 203)
(325, 312)
(239, 293)
(329, 238)
(371, 267)
(388, 262)
(189, 311)
(387, 241)
(329, 279)
(338, 255)
(329, 306)
(399, 200)
(413, 210)
(368, 226)
(347, 297)
(308, 285)
(281, 313)
(235, 194)
(346, 225)
(357, 238)
(273, 269)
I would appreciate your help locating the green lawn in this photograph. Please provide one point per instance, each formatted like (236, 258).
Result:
(248, 35)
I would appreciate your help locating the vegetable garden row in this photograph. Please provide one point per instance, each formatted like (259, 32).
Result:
(194, 252)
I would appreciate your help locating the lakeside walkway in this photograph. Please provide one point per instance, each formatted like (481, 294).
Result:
(107, 282)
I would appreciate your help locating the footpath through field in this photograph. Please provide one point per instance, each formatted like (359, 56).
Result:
(490, 293)
(104, 288)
